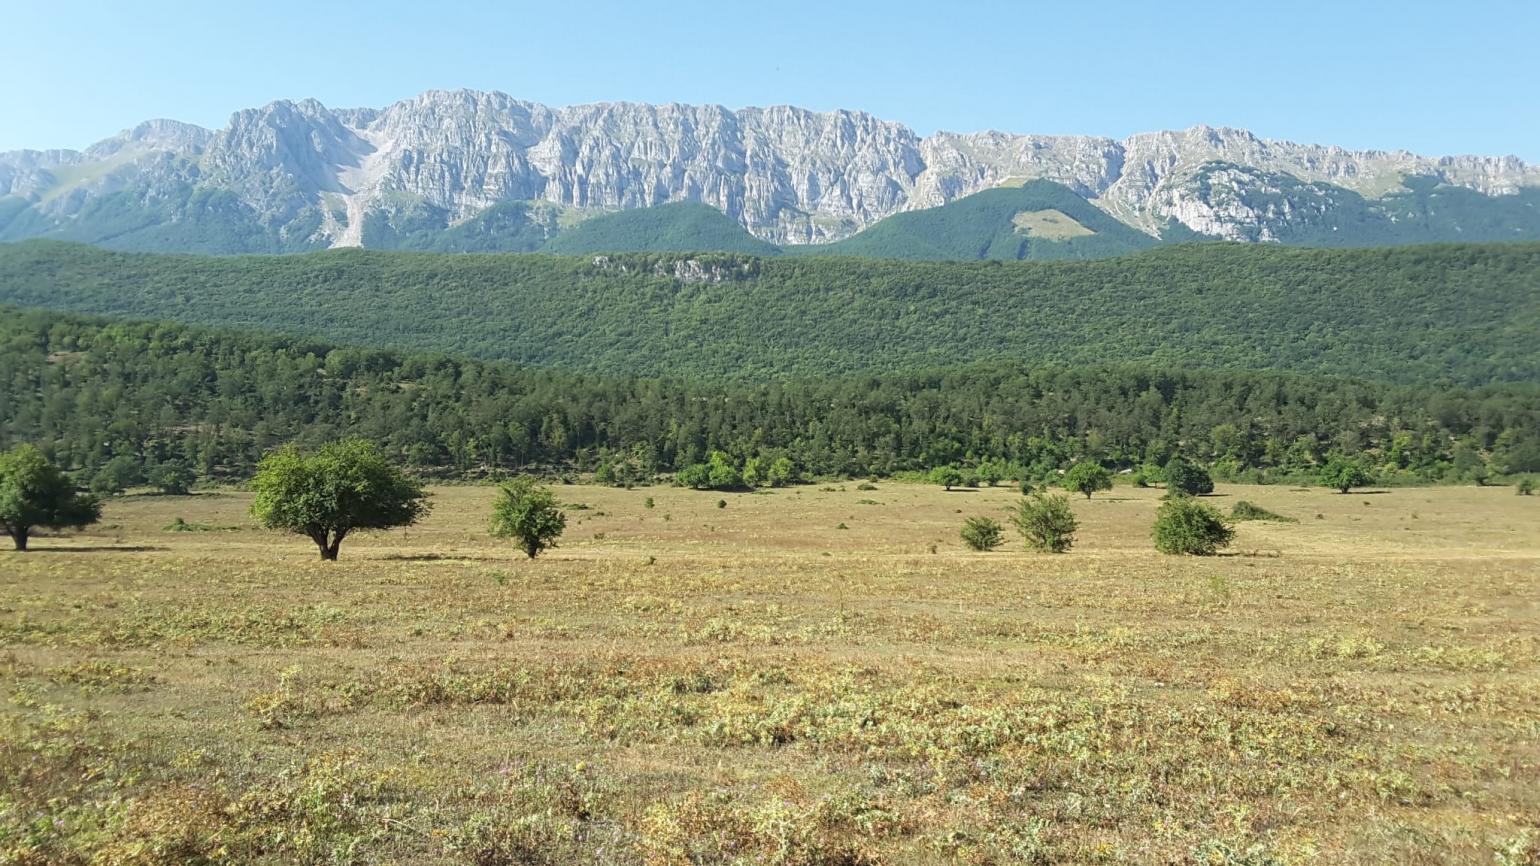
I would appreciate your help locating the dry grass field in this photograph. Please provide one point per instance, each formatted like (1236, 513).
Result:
(815, 675)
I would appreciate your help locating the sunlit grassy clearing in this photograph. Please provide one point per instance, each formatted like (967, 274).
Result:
(690, 682)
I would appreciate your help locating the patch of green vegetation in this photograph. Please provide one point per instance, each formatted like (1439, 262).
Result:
(1244, 510)
(677, 227)
(984, 226)
(67, 177)
(188, 219)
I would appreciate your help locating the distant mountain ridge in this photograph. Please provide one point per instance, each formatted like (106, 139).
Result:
(293, 176)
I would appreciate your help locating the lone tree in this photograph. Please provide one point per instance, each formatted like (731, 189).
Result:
(947, 476)
(1187, 479)
(344, 487)
(1344, 474)
(982, 533)
(1046, 522)
(528, 513)
(1186, 526)
(1087, 478)
(33, 493)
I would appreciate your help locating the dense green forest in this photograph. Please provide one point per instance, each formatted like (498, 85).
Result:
(1458, 313)
(683, 226)
(128, 399)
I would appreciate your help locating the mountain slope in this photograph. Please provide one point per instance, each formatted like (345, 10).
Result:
(1468, 313)
(297, 175)
(1037, 220)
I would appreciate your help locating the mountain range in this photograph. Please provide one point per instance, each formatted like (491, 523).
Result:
(479, 171)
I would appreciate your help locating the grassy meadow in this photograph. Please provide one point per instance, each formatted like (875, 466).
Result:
(812, 675)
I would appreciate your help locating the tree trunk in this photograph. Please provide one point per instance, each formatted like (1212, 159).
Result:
(19, 537)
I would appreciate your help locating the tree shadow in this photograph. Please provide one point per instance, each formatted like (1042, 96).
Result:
(435, 557)
(126, 548)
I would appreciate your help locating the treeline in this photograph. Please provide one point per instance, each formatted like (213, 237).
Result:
(1455, 313)
(126, 401)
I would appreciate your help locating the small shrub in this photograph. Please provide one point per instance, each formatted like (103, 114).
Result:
(1046, 522)
(648, 503)
(947, 476)
(1526, 486)
(982, 533)
(528, 513)
(866, 485)
(721, 503)
(1025, 486)
(1185, 526)
(1344, 474)
(1244, 510)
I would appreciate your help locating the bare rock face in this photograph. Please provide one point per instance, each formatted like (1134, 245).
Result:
(786, 174)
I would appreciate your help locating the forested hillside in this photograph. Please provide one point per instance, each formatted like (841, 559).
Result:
(679, 227)
(128, 397)
(1463, 313)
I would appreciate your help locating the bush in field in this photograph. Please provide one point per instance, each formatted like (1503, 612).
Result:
(344, 487)
(717, 473)
(781, 472)
(1526, 486)
(1046, 522)
(1025, 486)
(1187, 479)
(989, 473)
(1087, 478)
(1149, 473)
(527, 512)
(33, 493)
(1343, 474)
(696, 476)
(947, 476)
(721, 474)
(1184, 525)
(982, 533)
(1244, 510)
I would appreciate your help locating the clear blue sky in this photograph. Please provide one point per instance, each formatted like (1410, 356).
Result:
(1433, 77)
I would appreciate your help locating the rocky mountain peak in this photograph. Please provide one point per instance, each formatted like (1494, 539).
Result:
(787, 174)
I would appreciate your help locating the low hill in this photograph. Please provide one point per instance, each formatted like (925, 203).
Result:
(680, 227)
(1036, 220)
(1467, 313)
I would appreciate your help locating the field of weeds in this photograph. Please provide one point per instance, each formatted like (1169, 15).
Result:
(814, 675)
